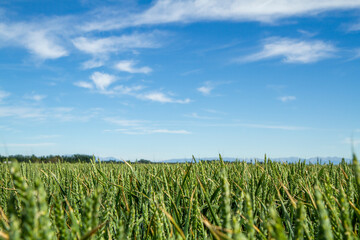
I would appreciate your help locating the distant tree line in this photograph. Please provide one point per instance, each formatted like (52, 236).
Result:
(47, 159)
(76, 158)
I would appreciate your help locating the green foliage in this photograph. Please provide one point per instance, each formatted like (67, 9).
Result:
(200, 200)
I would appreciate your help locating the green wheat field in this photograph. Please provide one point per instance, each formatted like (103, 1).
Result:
(198, 200)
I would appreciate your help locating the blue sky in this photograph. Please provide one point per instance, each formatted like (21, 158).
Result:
(170, 79)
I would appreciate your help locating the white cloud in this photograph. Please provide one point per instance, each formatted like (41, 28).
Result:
(293, 50)
(137, 127)
(121, 89)
(356, 54)
(83, 84)
(287, 98)
(129, 66)
(280, 127)
(213, 111)
(3, 95)
(162, 98)
(169, 11)
(43, 46)
(197, 116)
(307, 33)
(39, 41)
(206, 90)
(354, 27)
(92, 63)
(99, 46)
(142, 131)
(35, 97)
(102, 80)
(64, 114)
(21, 112)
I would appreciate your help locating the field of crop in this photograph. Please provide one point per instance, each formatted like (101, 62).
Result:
(202, 200)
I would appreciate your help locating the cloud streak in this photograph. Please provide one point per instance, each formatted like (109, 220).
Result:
(103, 80)
(129, 66)
(161, 98)
(83, 84)
(35, 97)
(142, 131)
(293, 50)
(97, 46)
(138, 127)
(287, 98)
(187, 11)
(354, 27)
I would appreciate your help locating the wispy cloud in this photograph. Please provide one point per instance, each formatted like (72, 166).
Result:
(139, 127)
(355, 54)
(213, 111)
(257, 126)
(3, 95)
(40, 41)
(354, 27)
(63, 114)
(143, 131)
(102, 80)
(280, 127)
(207, 87)
(128, 90)
(83, 84)
(307, 33)
(170, 131)
(165, 11)
(162, 98)
(94, 63)
(197, 116)
(98, 46)
(198, 70)
(35, 97)
(205, 90)
(53, 37)
(21, 112)
(287, 98)
(293, 50)
(129, 66)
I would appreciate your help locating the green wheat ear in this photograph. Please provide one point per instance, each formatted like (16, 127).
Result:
(59, 219)
(250, 217)
(300, 223)
(276, 230)
(325, 232)
(347, 228)
(225, 201)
